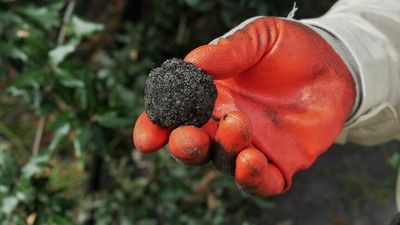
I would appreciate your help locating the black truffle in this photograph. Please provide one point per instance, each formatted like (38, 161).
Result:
(179, 93)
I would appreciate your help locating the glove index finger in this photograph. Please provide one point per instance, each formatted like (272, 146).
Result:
(148, 137)
(233, 135)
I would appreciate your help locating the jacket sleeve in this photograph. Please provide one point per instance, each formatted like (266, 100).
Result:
(370, 29)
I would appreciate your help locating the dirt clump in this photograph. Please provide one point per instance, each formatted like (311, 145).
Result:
(179, 93)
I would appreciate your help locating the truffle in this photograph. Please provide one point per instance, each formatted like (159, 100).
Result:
(178, 93)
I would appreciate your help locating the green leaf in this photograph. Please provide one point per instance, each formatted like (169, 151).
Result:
(45, 16)
(147, 221)
(8, 166)
(52, 219)
(58, 54)
(82, 28)
(200, 5)
(394, 160)
(9, 204)
(13, 137)
(60, 220)
(193, 3)
(60, 133)
(69, 80)
(35, 165)
(111, 120)
(82, 137)
(61, 119)
(18, 54)
(29, 78)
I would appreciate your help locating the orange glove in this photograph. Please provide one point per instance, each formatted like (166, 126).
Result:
(284, 95)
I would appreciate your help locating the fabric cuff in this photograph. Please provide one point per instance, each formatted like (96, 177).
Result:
(371, 57)
(349, 60)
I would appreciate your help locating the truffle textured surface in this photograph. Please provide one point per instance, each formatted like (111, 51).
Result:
(178, 93)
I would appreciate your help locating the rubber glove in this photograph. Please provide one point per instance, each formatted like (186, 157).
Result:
(284, 96)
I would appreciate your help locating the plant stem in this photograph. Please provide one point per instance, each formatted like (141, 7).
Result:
(38, 135)
(67, 16)
(60, 40)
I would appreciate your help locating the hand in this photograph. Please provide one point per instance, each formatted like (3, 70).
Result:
(283, 97)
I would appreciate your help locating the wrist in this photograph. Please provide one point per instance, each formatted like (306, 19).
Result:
(350, 62)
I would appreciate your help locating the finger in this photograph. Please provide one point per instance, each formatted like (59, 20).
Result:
(238, 50)
(210, 128)
(256, 176)
(147, 136)
(189, 145)
(216, 60)
(232, 136)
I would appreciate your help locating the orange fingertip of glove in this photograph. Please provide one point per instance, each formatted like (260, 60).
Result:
(256, 176)
(148, 137)
(216, 60)
(234, 132)
(249, 164)
(189, 145)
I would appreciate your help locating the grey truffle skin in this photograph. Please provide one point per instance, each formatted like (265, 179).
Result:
(178, 93)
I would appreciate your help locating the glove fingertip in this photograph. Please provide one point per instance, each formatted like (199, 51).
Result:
(234, 132)
(256, 176)
(148, 137)
(189, 145)
(249, 164)
(214, 60)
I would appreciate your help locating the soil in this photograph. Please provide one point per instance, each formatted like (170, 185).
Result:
(348, 185)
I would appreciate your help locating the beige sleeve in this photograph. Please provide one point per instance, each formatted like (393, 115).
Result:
(370, 29)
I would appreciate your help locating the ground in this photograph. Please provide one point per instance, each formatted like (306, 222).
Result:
(348, 185)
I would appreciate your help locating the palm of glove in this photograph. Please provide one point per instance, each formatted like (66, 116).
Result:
(283, 97)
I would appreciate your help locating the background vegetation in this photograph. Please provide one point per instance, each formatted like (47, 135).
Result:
(71, 83)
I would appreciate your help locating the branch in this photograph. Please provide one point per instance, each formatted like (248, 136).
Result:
(60, 40)
(38, 135)
(66, 18)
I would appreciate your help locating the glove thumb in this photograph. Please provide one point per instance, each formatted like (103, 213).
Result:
(236, 51)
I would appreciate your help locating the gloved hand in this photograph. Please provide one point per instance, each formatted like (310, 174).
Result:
(284, 95)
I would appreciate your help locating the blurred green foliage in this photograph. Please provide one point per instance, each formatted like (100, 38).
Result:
(89, 90)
